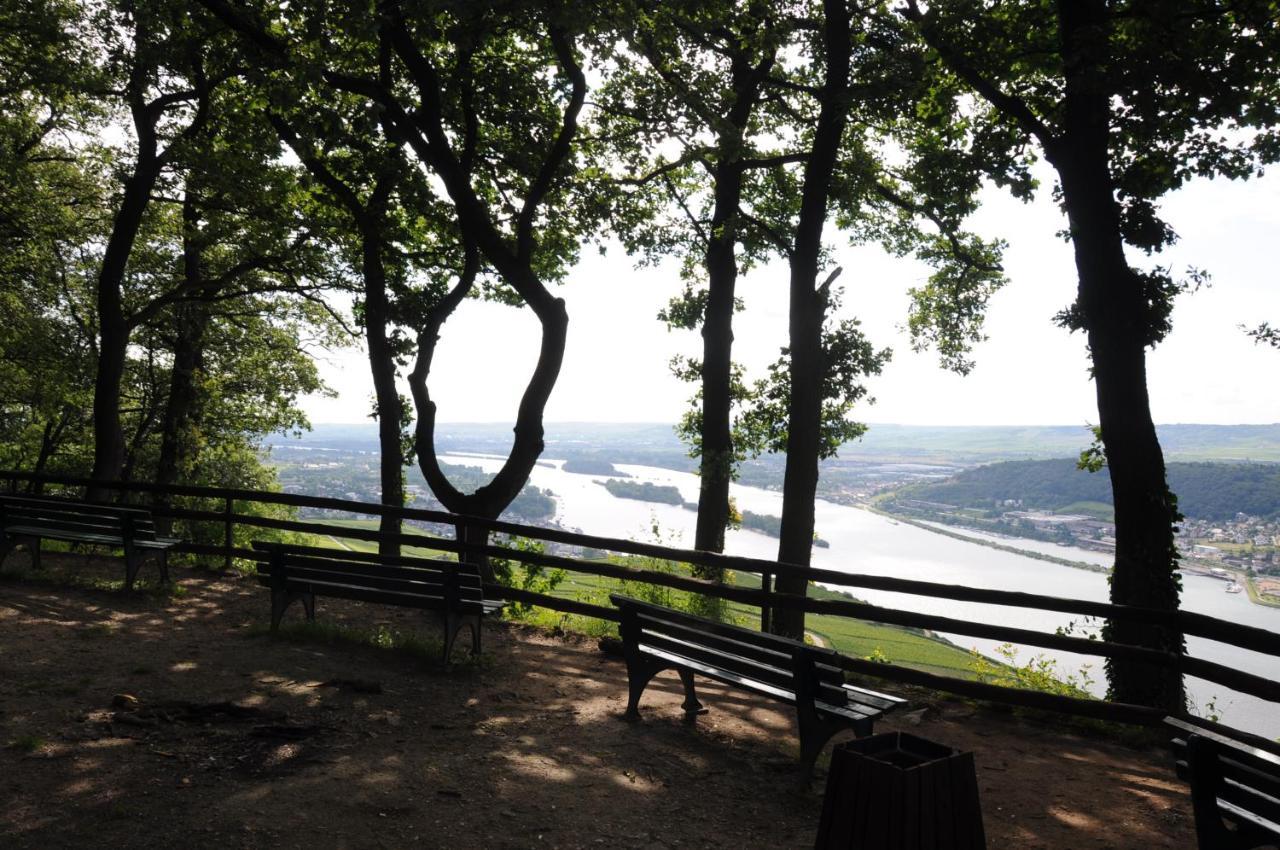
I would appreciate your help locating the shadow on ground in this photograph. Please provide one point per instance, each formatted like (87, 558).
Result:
(132, 721)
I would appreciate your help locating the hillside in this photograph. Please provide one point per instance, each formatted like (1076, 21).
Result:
(1208, 491)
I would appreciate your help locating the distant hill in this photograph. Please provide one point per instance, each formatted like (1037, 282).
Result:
(990, 443)
(656, 444)
(1209, 491)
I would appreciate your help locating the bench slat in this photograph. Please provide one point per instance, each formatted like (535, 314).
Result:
(404, 599)
(88, 524)
(1239, 814)
(68, 534)
(1236, 764)
(719, 673)
(782, 644)
(293, 550)
(419, 585)
(883, 702)
(778, 676)
(1240, 751)
(729, 677)
(437, 571)
(30, 502)
(772, 656)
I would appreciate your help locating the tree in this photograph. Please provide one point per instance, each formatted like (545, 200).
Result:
(158, 56)
(863, 143)
(50, 190)
(359, 173)
(489, 100)
(241, 251)
(1126, 101)
(1265, 334)
(702, 88)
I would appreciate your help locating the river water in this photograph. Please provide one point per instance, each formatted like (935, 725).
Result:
(863, 542)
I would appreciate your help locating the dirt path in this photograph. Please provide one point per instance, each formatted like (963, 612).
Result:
(237, 739)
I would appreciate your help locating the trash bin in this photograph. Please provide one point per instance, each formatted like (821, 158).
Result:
(899, 792)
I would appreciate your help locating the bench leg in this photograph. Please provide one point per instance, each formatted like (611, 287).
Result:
(815, 732)
(455, 623)
(131, 566)
(281, 600)
(7, 545)
(640, 671)
(692, 708)
(1206, 782)
(11, 543)
(163, 554)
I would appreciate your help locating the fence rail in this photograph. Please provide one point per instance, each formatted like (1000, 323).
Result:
(226, 518)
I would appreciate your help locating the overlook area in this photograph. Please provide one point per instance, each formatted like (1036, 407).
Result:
(700, 423)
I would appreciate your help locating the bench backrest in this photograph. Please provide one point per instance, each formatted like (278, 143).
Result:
(1229, 778)
(450, 582)
(756, 656)
(125, 522)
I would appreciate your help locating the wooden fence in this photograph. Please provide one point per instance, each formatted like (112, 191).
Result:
(222, 508)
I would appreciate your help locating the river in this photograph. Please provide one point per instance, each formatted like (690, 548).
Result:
(863, 542)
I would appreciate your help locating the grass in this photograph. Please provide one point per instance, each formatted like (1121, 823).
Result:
(1097, 510)
(1257, 596)
(369, 546)
(852, 637)
(28, 744)
(858, 638)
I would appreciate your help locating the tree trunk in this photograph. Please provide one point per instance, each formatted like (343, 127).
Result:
(114, 329)
(808, 311)
(1116, 317)
(387, 397)
(491, 500)
(716, 436)
(50, 439)
(181, 412)
(716, 464)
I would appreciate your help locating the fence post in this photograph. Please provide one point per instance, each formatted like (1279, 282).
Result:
(228, 539)
(766, 613)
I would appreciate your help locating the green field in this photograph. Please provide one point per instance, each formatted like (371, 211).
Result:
(852, 637)
(1097, 510)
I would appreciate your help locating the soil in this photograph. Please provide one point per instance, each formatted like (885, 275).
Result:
(137, 721)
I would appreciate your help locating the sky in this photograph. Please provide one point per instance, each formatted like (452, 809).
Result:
(1029, 371)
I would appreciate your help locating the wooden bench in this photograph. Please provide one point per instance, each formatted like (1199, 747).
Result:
(1230, 781)
(26, 520)
(301, 573)
(655, 638)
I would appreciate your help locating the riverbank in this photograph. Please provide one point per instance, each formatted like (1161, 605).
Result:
(1256, 595)
(990, 544)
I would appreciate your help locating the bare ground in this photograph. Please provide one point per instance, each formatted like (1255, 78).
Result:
(131, 721)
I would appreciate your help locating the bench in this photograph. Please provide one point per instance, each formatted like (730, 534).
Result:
(26, 520)
(301, 573)
(1230, 781)
(655, 638)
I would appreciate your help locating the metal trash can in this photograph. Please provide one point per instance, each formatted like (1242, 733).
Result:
(899, 792)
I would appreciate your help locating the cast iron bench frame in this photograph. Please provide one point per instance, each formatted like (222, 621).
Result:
(26, 520)
(301, 573)
(656, 638)
(1229, 780)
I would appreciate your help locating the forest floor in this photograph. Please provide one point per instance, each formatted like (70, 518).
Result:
(160, 721)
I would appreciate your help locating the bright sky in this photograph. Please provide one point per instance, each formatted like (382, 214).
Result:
(1029, 372)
